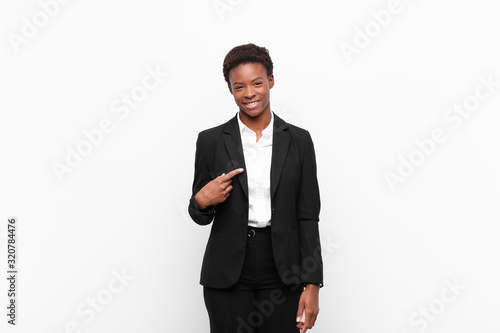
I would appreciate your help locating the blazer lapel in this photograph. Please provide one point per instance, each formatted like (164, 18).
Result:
(281, 141)
(234, 147)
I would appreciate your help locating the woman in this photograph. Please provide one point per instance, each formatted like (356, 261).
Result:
(255, 177)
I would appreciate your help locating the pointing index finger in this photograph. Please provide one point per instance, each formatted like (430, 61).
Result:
(231, 174)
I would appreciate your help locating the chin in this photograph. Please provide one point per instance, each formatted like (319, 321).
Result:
(253, 114)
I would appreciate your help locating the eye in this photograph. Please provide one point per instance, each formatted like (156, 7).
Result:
(238, 88)
(258, 83)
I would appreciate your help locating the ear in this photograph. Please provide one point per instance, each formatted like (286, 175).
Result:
(270, 78)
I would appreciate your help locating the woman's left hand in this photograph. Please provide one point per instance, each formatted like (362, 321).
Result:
(308, 303)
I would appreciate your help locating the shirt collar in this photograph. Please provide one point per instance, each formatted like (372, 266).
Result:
(266, 133)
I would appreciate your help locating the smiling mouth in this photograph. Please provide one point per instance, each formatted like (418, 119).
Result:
(252, 103)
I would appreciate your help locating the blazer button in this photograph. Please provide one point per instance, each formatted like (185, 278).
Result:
(273, 210)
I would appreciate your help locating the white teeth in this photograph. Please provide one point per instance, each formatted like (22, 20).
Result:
(252, 103)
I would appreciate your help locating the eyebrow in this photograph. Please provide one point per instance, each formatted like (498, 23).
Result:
(257, 78)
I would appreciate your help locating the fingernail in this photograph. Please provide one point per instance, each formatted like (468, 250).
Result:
(298, 319)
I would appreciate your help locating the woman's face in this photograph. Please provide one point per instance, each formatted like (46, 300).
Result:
(250, 87)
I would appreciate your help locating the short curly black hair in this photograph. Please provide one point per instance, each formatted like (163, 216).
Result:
(246, 53)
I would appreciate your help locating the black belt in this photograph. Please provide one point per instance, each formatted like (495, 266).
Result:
(253, 232)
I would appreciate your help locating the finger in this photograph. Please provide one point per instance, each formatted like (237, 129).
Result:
(314, 318)
(305, 326)
(232, 174)
(310, 319)
(227, 177)
(300, 311)
(308, 323)
(228, 189)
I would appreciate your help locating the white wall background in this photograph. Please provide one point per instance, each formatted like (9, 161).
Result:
(390, 254)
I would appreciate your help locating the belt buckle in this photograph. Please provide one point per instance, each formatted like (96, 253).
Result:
(251, 233)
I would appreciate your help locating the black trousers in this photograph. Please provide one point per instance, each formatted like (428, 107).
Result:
(259, 302)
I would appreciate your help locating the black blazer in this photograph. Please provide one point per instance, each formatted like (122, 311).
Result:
(295, 205)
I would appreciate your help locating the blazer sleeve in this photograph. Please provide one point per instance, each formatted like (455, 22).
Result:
(308, 208)
(201, 178)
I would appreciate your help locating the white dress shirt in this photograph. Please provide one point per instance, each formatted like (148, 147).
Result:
(257, 156)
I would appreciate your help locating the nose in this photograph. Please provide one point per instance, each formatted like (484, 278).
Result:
(249, 93)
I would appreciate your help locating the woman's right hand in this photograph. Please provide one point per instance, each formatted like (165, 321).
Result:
(217, 190)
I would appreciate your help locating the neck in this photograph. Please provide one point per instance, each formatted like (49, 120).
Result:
(256, 124)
